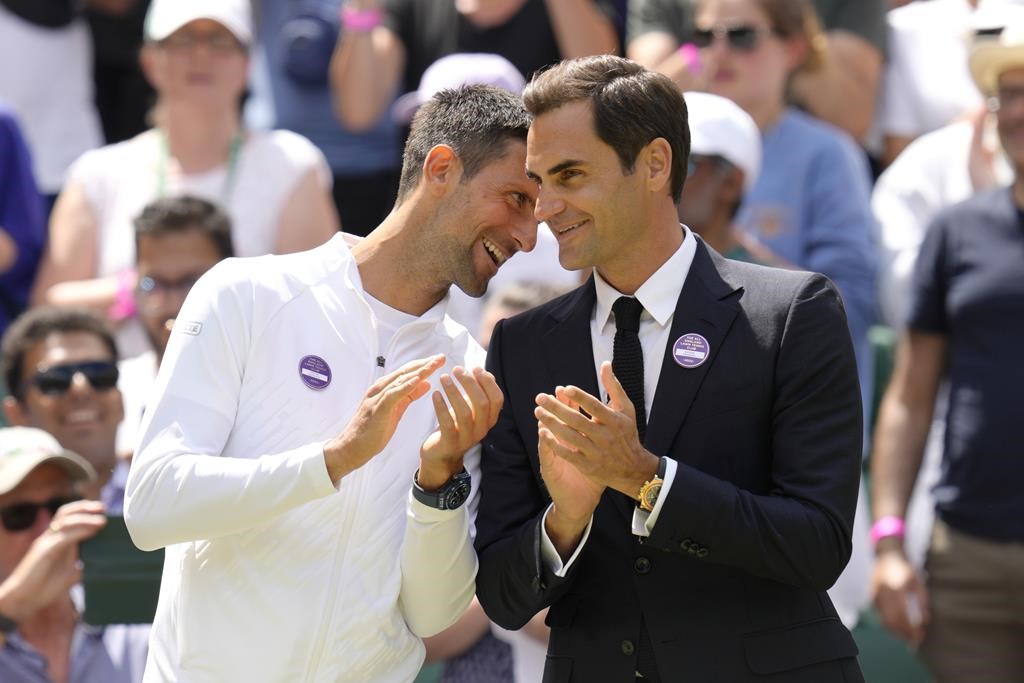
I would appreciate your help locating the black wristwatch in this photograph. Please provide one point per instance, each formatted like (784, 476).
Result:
(450, 496)
(7, 625)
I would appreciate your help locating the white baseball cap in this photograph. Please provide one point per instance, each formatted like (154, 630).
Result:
(718, 126)
(167, 16)
(462, 68)
(991, 58)
(22, 449)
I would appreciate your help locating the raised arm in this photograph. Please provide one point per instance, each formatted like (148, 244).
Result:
(67, 272)
(366, 70)
(581, 28)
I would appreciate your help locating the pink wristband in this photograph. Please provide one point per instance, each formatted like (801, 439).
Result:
(886, 527)
(124, 301)
(360, 20)
(691, 57)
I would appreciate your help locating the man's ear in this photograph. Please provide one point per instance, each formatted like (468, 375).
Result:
(14, 412)
(147, 63)
(656, 158)
(441, 169)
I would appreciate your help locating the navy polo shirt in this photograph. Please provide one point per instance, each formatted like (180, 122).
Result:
(969, 287)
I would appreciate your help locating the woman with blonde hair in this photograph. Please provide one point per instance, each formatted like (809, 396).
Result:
(274, 185)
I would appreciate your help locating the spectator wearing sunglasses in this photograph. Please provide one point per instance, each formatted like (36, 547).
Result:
(177, 239)
(661, 36)
(42, 520)
(61, 367)
(810, 205)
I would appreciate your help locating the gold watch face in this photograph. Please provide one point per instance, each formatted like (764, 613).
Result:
(649, 494)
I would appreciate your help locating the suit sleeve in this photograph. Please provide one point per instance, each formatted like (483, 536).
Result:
(799, 533)
(513, 582)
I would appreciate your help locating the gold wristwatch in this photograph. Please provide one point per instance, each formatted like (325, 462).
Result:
(650, 490)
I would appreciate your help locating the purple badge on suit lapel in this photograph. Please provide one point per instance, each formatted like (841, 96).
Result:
(691, 350)
(314, 372)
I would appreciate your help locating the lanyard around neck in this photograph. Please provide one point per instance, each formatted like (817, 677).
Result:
(229, 181)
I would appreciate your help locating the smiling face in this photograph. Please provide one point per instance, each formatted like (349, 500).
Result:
(749, 77)
(594, 207)
(202, 63)
(83, 419)
(487, 219)
(44, 483)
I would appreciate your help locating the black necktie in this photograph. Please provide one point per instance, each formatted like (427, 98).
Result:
(628, 356)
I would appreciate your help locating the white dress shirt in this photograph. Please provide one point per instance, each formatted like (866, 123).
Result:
(659, 296)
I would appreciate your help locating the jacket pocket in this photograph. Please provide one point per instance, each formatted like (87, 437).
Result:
(793, 647)
(557, 669)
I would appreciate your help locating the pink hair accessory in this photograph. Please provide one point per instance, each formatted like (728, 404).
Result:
(886, 527)
(691, 57)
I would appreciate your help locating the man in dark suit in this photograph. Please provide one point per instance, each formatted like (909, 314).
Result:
(696, 544)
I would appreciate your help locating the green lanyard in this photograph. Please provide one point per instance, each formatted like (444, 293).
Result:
(229, 181)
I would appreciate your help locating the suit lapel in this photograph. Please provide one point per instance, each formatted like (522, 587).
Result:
(705, 307)
(568, 350)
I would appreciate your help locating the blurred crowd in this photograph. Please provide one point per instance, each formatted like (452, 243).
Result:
(143, 141)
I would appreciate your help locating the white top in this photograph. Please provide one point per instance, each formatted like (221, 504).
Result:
(120, 179)
(928, 176)
(272, 574)
(46, 79)
(659, 296)
(926, 83)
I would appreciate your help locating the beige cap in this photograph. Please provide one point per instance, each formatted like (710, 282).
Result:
(991, 58)
(22, 449)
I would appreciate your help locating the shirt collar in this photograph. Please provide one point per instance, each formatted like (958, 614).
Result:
(659, 294)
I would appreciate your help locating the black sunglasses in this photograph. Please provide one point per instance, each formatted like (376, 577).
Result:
(102, 375)
(743, 37)
(22, 516)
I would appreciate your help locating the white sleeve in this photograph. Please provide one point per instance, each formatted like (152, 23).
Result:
(549, 553)
(180, 488)
(438, 560)
(643, 521)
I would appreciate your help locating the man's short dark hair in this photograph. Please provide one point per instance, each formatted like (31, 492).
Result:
(169, 215)
(37, 324)
(476, 121)
(631, 105)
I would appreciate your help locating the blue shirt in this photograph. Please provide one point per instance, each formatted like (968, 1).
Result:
(811, 205)
(112, 654)
(309, 110)
(969, 287)
(21, 216)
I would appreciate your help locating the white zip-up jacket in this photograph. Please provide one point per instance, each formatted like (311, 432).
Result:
(272, 573)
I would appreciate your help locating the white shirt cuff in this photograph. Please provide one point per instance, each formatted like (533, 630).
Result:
(547, 548)
(643, 521)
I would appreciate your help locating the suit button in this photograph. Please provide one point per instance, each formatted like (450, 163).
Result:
(685, 545)
(627, 647)
(642, 565)
(702, 553)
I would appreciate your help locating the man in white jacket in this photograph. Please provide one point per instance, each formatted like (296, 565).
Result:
(278, 458)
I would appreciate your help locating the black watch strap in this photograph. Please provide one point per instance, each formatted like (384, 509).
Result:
(450, 496)
(7, 625)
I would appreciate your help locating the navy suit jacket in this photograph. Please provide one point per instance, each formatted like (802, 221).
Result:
(767, 437)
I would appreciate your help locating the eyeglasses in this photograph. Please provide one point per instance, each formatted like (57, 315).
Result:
(222, 43)
(102, 375)
(151, 286)
(720, 163)
(22, 516)
(743, 37)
